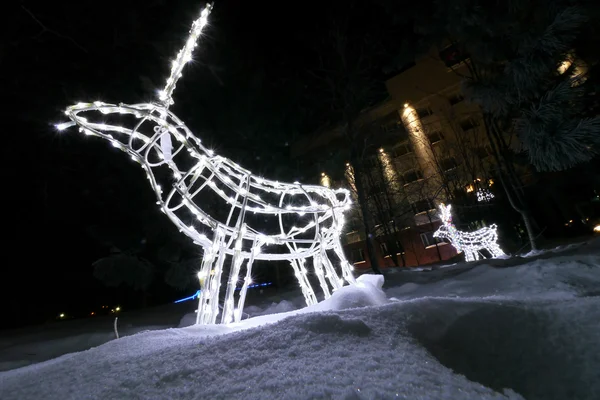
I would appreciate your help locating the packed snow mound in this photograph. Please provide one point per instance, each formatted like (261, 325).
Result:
(273, 308)
(366, 292)
(354, 354)
(476, 331)
(562, 277)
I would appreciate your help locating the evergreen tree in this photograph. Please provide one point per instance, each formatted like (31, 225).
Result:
(517, 52)
(535, 84)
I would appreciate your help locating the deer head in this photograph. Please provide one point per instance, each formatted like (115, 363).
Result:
(446, 230)
(445, 213)
(159, 125)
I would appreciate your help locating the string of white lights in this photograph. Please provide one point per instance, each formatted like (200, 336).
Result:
(468, 242)
(193, 184)
(484, 195)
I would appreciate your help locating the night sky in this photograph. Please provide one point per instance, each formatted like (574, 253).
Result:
(68, 198)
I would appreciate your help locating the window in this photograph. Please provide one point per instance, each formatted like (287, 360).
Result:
(400, 248)
(422, 206)
(451, 175)
(390, 123)
(424, 111)
(401, 150)
(384, 249)
(448, 164)
(353, 237)
(452, 56)
(357, 255)
(435, 137)
(428, 239)
(412, 176)
(483, 151)
(468, 123)
(456, 98)
(391, 128)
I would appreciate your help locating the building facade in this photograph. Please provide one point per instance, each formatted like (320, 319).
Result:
(424, 146)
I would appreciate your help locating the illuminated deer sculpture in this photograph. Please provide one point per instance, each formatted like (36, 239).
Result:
(189, 179)
(468, 242)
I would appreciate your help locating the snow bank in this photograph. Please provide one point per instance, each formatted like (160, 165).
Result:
(562, 277)
(524, 328)
(359, 352)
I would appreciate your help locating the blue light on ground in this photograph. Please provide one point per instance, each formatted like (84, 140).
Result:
(197, 294)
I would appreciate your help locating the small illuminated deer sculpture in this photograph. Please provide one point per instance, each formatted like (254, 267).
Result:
(468, 242)
(308, 218)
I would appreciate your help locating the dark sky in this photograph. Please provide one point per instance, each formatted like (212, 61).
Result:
(248, 86)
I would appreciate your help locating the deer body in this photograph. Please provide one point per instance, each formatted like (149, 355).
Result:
(468, 242)
(216, 203)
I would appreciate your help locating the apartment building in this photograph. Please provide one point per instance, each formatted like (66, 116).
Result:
(426, 146)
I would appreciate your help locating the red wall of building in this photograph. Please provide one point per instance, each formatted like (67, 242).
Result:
(415, 252)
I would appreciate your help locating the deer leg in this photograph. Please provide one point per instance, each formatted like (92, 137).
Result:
(206, 275)
(318, 266)
(496, 250)
(247, 281)
(228, 305)
(334, 279)
(214, 287)
(204, 298)
(346, 267)
(469, 256)
(300, 272)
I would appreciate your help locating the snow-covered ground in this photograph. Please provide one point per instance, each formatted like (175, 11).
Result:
(525, 327)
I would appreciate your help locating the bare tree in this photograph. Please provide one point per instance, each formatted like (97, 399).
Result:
(347, 77)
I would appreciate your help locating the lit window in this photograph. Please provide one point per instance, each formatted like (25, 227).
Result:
(564, 66)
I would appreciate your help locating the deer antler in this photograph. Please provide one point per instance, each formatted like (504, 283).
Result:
(184, 56)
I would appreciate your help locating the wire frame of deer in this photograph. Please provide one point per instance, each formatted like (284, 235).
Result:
(235, 216)
(468, 242)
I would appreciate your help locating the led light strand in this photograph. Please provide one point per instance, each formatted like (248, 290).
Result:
(484, 195)
(184, 56)
(159, 139)
(468, 242)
